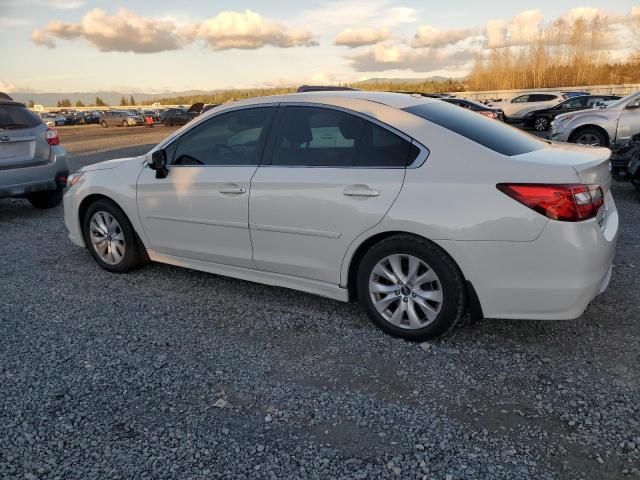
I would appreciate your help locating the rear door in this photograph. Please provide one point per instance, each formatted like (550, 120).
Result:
(23, 140)
(328, 176)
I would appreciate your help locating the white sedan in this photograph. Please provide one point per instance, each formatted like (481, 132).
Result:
(417, 208)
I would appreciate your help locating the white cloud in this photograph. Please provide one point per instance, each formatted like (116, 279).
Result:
(128, 32)
(399, 57)
(357, 37)
(246, 30)
(520, 30)
(428, 36)
(123, 32)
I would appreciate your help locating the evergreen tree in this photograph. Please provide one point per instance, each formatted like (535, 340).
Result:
(31, 105)
(100, 102)
(79, 103)
(132, 101)
(123, 102)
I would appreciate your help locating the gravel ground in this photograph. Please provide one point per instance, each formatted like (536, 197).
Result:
(171, 373)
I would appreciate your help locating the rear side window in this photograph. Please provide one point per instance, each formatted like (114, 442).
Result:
(324, 137)
(381, 148)
(15, 117)
(489, 133)
(541, 98)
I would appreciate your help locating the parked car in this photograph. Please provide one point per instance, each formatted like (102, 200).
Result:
(58, 120)
(541, 119)
(32, 163)
(417, 208)
(494, 113)
(92, 118)
(47, 120)
(118, 118)
(181, 116)
(516, 108)
(600, 127)
(634, 163)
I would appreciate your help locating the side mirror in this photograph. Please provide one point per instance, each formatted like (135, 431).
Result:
(159, 163)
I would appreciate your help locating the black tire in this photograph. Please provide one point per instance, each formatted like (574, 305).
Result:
(581, 133)
(134, 256)
(451, 282)
(541, 124)
(46, 199)
(104, 124)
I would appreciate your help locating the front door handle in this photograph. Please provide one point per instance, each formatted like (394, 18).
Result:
(233, 189)
(361, 191)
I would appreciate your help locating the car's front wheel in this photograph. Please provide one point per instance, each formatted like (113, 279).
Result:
(589, 136)
(111, 238)
(46, 199)
(104, 124)
(410, 288)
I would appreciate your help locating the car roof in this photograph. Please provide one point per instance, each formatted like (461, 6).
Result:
(11, 102)
(338, 98)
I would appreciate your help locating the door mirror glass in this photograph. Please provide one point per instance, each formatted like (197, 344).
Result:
(159, 163)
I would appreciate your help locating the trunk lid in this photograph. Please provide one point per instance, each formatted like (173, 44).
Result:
(591, 164)
(24, 147)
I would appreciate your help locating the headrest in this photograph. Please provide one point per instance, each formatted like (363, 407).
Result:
(350, 127)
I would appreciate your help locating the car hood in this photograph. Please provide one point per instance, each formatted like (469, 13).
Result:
(110, 164)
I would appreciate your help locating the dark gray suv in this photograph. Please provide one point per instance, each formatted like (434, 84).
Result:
(32, 163)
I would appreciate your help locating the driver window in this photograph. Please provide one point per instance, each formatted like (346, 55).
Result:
(634, 104)
(574, 103)
(521, 99)
(227, 139)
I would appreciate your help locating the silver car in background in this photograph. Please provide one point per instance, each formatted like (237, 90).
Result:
(600, 127)
(32, 163)
(119, 118)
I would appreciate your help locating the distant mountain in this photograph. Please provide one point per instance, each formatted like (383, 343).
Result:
(436, 78)
(111, 98)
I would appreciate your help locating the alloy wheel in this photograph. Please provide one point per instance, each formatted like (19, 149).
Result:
(541, 124)
(107, 237)
(588, 139)
(405, 291)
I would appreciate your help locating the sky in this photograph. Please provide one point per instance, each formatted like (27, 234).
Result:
(169, 46)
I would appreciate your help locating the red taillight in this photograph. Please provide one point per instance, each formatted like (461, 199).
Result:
(568, 203)
(488, 113)
(52, 137)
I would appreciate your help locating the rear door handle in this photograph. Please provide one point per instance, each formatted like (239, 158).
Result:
(361, 191)
(233, 189)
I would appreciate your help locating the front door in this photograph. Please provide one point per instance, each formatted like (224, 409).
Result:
(629, 123)
(328, 176)
(201, 209)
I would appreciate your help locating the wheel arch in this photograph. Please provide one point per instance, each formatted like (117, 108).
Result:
(592, 126)
(94, 197)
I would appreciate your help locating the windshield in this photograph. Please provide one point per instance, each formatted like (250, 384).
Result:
(623, 101)
(14, 117)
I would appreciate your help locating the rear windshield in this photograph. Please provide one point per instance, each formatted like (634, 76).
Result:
(15, 117)
(489, 133)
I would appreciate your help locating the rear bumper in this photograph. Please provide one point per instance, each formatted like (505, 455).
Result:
(554, 277)
(20, 182)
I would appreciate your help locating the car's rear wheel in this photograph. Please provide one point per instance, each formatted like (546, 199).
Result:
(46, 199)
(111, 238)
(125, 123)
(104, 124)
(410, 288)
(541, 124)
(589, 136)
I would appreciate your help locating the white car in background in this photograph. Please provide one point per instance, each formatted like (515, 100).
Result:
(516, 108)
(417, 208)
